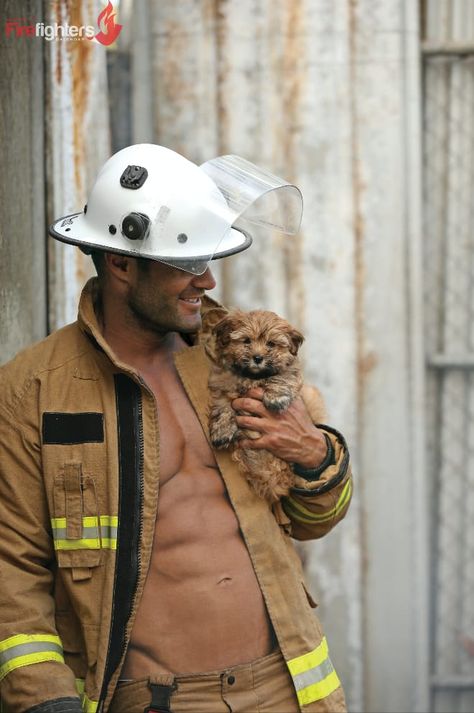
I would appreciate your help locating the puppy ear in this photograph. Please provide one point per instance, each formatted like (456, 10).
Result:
(296, 340)
(211, 317)
(224, 328)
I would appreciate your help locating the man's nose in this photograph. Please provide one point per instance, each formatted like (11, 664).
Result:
(205, 281)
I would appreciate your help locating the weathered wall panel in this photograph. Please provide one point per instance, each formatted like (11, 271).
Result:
(77, 145)
(22, 240)
(449, 222)
(387, 175)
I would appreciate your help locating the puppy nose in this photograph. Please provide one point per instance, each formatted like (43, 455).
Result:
(257, 358)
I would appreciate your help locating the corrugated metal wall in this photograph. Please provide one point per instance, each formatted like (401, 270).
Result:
(55, 135)
(449, 296)
(23, 286)
(78, 143)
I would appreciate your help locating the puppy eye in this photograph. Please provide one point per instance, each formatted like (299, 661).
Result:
(270, 344)
(247, 340)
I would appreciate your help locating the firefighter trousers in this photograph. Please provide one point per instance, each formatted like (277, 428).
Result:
(262, 686)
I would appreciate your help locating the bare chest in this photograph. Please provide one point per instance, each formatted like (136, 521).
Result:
(183, 444)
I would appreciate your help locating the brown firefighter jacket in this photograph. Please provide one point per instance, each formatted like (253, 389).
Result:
(79, 481)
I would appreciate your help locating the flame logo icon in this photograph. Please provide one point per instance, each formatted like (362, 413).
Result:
(109, 30)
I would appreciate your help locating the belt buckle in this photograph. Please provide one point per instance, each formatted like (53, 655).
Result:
(160, 698)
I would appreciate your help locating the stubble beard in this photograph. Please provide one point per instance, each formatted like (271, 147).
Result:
(158, 316)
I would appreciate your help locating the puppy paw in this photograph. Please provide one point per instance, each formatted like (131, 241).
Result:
(277, 403)
(222, 437)
(221, 443)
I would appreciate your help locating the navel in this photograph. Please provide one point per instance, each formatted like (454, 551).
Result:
(225, 580)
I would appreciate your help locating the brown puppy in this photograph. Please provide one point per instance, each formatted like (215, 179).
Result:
(257, 349)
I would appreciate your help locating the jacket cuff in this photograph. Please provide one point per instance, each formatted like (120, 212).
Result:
(315, 473)
(332, 473)
(58, 705)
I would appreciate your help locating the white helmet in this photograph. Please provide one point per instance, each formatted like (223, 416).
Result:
(151, 202)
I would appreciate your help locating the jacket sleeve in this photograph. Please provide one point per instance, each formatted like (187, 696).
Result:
(315, 506)
(33, 674)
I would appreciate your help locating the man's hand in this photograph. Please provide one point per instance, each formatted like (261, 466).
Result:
(289, 435)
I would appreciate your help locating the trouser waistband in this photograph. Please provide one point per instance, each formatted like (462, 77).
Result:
(260, 685)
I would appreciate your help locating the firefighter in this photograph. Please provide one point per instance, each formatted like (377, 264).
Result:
(140, 571)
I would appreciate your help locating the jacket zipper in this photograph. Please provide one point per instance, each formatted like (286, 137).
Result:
(130, 522)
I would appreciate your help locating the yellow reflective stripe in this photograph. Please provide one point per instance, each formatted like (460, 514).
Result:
(320, 690)
(302, 514)
(307, 661)
(88, 706)
(26, 649)
(92, 538)
(343, 498)
(88, 521)
(94, 544)
(313, 675)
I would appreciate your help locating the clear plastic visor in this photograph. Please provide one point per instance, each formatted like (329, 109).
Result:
(256, 196)
(246, 197)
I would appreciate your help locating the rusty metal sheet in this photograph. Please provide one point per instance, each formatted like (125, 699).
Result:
(22, 265)
(449, 167)
(77, 144)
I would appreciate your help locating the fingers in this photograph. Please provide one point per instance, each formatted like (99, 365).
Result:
(249, 405)
(255, 423)
(255, 393)
(255, 444)
(289, 434)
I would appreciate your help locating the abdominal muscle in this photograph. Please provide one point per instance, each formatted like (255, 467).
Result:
(201, 608)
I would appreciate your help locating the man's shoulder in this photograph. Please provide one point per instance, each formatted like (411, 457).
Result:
(57, 350)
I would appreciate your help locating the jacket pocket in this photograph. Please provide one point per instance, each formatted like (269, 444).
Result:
(77, 527)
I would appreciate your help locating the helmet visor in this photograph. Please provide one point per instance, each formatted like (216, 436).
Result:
(253, 197)
(256, 196)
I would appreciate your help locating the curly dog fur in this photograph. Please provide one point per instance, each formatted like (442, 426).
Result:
(257, 349)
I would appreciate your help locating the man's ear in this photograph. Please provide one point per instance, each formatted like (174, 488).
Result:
(119, 266)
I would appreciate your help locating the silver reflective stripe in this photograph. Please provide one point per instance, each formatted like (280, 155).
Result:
(313, 675)
(33, 647)
(89, 533)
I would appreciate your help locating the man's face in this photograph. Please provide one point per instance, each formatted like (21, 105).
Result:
(165, 299)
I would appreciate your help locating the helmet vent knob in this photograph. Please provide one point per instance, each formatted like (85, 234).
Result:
(112, 229)
(135, 226)
(182, 238)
